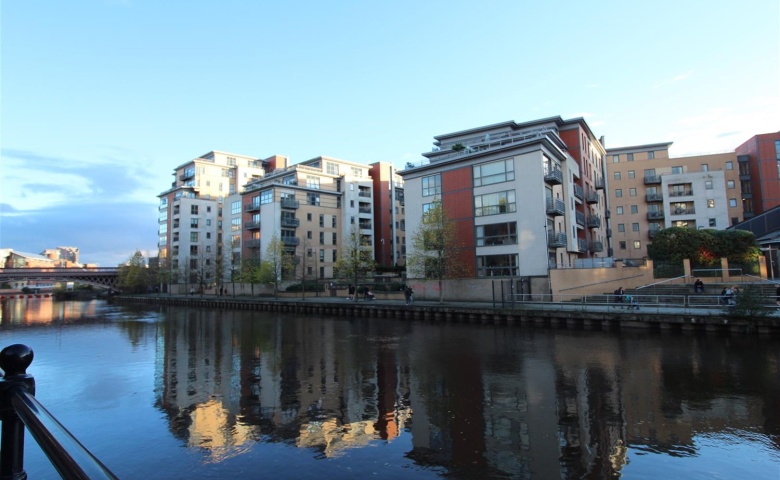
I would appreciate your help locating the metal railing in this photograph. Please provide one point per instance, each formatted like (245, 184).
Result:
(19, 408)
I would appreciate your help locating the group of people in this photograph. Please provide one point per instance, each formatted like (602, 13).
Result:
(367, 293)
(728, 296)
(629, 301)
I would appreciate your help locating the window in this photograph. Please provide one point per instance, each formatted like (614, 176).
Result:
(497, 265)
(313, 182)
(632, 192)
(322, 254)
(333, 238)
(235, 207)
(334, 255)
(635, 227)
(193, 223)
(621, 227)
(193, 236)
(631, 174)
(308, 234)
(208, 222)
(322, 220)
(729, 165)
(332, 168)
(630, 157)
(710, 203)
(677, 169)
(431, 185)
(356, 172)
(494, 203)
(634, 209)
(622, 245)
(730, 184)
(313, 199)
(708, 184)
(615, 158)
(266, 197)
(235, 225)
(494, 172)
(705, 167)
(333, 221)
(322, 238)
(732, 202)
(616, 175)
(619, 210)
(193, 249)
(497, 234)
(650, 155)
(618, 192)
(637, 245)
(194, 209)
(308, 217)
(713, 222)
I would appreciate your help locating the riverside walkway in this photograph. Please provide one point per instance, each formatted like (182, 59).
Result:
(593, 313)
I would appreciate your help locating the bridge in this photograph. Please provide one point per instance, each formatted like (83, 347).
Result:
(101, 277)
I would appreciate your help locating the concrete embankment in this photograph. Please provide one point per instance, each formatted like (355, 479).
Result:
(594, 317)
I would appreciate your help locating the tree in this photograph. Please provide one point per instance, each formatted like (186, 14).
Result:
(356, 258)
(133, 276)
(250, 272)
(279, 261)
(435, 249)
(703, 247)
(202, 270)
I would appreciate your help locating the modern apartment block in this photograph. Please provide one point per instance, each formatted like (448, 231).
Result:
(649, 191)
(389, 215)
(525, 197)
(191, 227)
(759, 173)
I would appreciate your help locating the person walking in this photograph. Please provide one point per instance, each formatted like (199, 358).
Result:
(408, 295)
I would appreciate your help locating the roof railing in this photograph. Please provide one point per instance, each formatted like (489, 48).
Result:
(19, 408)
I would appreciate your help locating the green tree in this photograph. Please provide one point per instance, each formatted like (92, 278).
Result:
(703, 247)
(250, 272)
(280, 262)
(134, 276)
(356, 258)
(435, 249)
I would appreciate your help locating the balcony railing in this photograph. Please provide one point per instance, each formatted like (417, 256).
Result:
(582, 245)
(578, 191)
(592, 197)
(290, 203)
(652, 232)
(579, 218)
(657, 215)
(554, 176)
(596, 247)
(253, 243)
(365, 194)
(364, 209)
(681, 193)
(291, 241)
(252, 226)
(652, 179)
(556, 240)
(594, 221)
(555, 207)
(21, 409)
(654, 197)
(683, 211)
(252, 207)
(290, 222)
(599, 184)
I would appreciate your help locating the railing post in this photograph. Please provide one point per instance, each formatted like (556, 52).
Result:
(14, 361)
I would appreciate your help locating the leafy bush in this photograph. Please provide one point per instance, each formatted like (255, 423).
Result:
(311, 286)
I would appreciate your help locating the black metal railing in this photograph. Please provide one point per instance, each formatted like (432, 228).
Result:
(19, 408)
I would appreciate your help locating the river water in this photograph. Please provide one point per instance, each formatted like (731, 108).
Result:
(178, 393)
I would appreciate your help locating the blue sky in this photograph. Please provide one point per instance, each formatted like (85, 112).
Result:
(101, 99)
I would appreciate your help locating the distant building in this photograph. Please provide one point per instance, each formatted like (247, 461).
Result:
(649, 191)
(16, 259)
(759, 173)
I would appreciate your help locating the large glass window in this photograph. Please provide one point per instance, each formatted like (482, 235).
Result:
(497, 265)
(431, 185)
(494, 172)
(313, 198)
(266, 196)
(494, 203)
(497, 234)
(312, 181)
(235, 225)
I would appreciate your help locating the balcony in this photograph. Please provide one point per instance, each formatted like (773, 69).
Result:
(555, 207)
(556, 240)
(607, 213)
(364, 209)
(609, 232)
(654, 197)
(365, 226)
(186, 176)
(290, 203)
(681, 193)
(594, 221)
(652, 179)
(592, 197)
(252, 207)
(582, 245)
(290, 222)
(254, 243)
(364, 194)
(578, 191)
(580, 218)
(252, 226)
(291, 241)
(596, 247)
(554, 177)
(651, 233)
(599, 184)
(657, 215)
(683, 211)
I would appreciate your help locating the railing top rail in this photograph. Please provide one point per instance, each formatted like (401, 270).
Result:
(662, 281)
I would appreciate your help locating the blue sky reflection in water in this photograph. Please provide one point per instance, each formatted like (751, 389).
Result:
(185, 393)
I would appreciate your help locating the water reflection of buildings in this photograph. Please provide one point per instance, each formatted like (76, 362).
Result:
(43, 310)
(485, 402)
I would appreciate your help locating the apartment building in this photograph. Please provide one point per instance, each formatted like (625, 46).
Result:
(759, 173)
(525, 197)
(191, 211)
(649, 191)
(389, 215)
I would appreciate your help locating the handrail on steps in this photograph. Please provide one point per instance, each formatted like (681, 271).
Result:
(19, 408)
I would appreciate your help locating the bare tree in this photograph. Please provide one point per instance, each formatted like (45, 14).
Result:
(356, 258)
(280, 263)
(435, 249)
